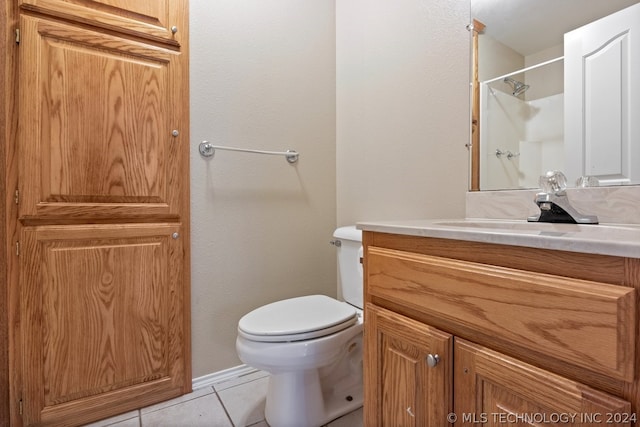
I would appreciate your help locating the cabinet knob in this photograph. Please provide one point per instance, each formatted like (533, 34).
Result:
(432, 360)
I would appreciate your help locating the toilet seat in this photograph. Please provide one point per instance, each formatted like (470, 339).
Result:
(297, 319)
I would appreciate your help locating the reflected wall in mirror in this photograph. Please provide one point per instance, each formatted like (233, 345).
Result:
(558, 89)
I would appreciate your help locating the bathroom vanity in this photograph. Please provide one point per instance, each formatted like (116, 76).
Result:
(500, 322)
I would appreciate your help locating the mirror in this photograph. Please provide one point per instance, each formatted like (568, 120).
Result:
(526, 119)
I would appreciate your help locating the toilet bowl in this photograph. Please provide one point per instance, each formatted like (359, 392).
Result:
(311, 346)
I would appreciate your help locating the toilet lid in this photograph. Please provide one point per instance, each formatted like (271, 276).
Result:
(297, 319)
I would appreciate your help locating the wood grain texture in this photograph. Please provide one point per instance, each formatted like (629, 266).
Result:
(400, 388)
(587, 323)
(478, 27)
(500, 389)
(103, 185)
(123, 160)
(632, 388)
(609, 269)
(146, 19)
(622, 272)
(8, 211)
(106, 322)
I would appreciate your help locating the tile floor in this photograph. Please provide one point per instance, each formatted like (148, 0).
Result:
(238, 402)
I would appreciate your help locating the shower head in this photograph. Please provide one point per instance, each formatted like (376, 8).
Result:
(518, 87)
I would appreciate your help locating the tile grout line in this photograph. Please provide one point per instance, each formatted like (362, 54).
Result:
(224, 408)
(177, 403)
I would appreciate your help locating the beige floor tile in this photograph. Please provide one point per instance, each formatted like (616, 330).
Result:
(239, 380)
(352, 419)
(205, 411)
(117, 420)
(184, 398)
(131, 422)
(245, 402)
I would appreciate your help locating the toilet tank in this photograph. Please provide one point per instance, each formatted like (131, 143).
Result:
(350, 274)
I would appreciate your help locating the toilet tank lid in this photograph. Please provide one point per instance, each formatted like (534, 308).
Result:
(349, 232)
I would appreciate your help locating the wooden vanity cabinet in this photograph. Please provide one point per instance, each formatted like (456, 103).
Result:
(520, 335)
(399, 348)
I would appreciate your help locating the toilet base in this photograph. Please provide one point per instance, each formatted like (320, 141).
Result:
(312, 398)
(297, 400)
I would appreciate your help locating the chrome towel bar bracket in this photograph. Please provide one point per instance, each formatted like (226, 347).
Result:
(208, 150)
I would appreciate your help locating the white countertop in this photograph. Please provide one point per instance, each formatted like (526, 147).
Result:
(604, 239)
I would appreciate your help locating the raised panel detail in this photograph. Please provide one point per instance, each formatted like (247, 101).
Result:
(400, 387)
(582, 322)
(101, 305)
(602, 101)
(90, 348)
(149, 19)
(605, 82)
(122, 160)
(495, 390)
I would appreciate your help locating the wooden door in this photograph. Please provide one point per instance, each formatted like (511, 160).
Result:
(100, 127)
(103, 216)
(401, 389)
(157, 20)
(495, 390)
(102, 309)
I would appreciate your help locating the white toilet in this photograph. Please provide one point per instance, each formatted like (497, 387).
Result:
(311, 346)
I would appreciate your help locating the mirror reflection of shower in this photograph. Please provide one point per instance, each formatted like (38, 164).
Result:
(517, 87)
(521, 113)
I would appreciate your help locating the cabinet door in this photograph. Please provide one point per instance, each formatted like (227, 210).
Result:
(495, 390)
(102, 320)
(97, 115)
(149, 19)
(401, 388)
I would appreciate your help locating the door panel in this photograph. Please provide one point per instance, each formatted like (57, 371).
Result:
(497, 390)
(102, 309)
(602, 99)
(149, 19)
(96, 121)
(401, 388)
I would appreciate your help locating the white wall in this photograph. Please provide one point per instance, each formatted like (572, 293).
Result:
(262, 76)
(497, 59)
(402, 108)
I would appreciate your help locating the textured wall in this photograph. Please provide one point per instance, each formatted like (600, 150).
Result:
(402, 109)
(262, 76)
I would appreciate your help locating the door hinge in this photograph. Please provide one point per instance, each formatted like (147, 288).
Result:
(17, 197)
(17, 35)
(17, 248)
(20, 408)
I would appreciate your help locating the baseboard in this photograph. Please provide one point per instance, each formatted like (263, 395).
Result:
(224, 375)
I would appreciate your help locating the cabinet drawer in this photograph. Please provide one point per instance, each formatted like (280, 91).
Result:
(589, 324)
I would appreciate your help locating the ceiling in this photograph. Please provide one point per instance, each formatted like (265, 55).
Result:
(529, 26)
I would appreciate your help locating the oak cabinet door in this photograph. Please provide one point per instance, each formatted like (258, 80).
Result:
(96, 129)
(102, 316)
(496, 390)
(402, 388)
(150, 19)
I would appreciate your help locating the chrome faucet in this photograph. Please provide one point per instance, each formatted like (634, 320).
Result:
(554, 204)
